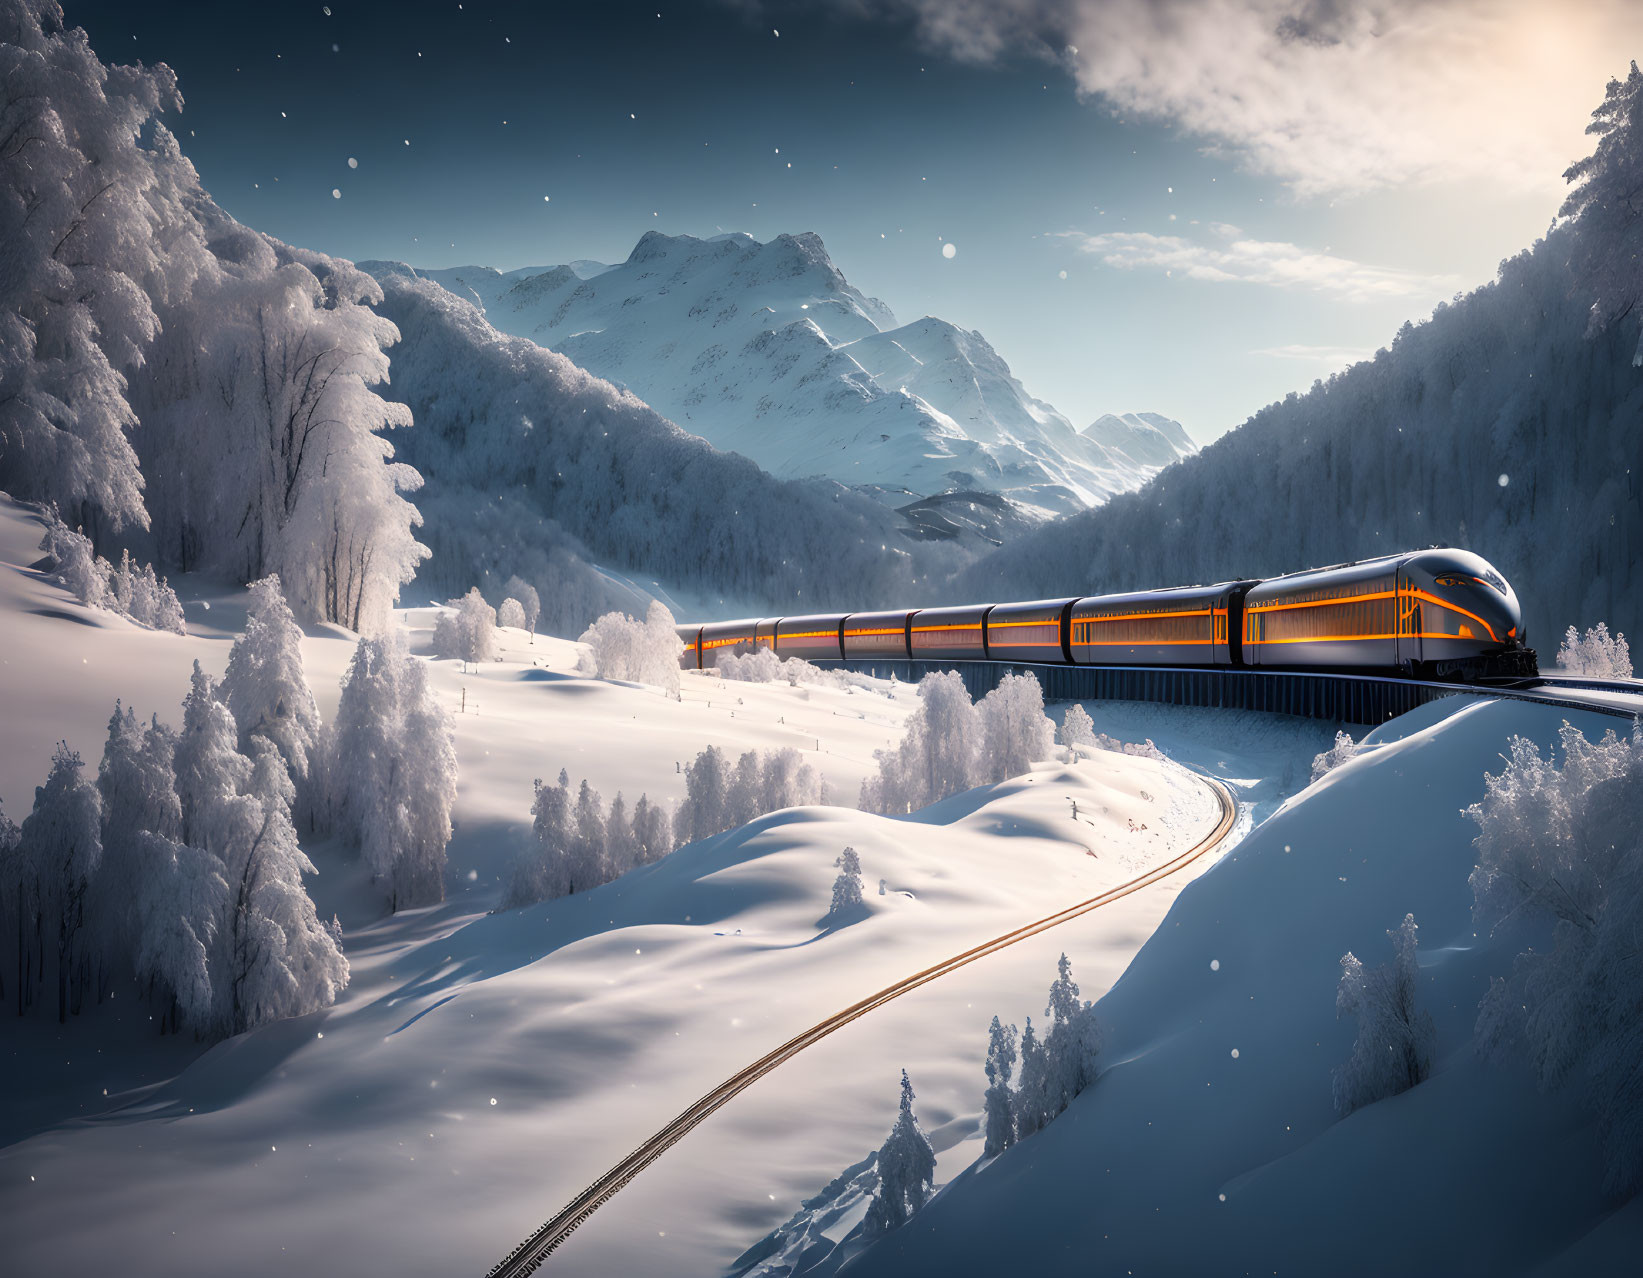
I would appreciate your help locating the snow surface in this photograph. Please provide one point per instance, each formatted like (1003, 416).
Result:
(766, 350)
(364, 1139)
(1186, 1158)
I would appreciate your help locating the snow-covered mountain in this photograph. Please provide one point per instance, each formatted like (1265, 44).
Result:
(767, 350)
(1150, 438)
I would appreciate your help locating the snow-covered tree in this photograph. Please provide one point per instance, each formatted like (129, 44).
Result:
(209, 767)
(1031, 1107)
(179, 905)
(59, 849)
(1560, 851)
(145, 597)
(511, 613)
(937, 754)
(468, 630)
(788, 781)
(541, 870)
(1393, 1050)
(1344, 748)
(75, 563)
(907, 1170)
(847, 896)
(530, 602)
(652, 831)
(621, 852)
(998, 1106)
(1077, 728)
(264, 686)
(278, 959)
(702, 814)
(743, 794)
(1605, 209)
(620, 647)
(132, 591)
(1597, 654)
(1014, 730)
(1072, 1043)
(588, 865)
(81, 219)
(392, 771)
(138, 784)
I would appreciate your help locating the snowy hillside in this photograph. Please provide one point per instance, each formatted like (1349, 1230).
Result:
(480, 1067)
(767, 350)
(1150, 438)
(1211, 1145)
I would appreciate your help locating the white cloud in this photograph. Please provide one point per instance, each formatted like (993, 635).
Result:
(1275, 264)
(1330, 96)
(1334, 356)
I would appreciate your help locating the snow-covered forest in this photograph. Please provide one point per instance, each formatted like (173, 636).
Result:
(1506, 424)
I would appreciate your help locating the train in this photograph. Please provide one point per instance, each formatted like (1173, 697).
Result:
(1435, 614)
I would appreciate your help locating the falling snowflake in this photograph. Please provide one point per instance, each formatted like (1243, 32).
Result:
(949, 250)
(1063, 274)
(352, 162)
(1235, 1053)
(335, 193)
(1503, 480)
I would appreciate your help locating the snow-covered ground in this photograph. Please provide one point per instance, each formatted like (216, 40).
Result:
(1210, 1145)
(481, 1068)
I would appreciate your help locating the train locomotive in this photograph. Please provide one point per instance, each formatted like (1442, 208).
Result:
(1437, 614)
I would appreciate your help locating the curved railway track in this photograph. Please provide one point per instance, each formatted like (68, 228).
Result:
(529, 1255)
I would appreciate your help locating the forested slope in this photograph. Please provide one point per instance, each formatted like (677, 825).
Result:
(1510, 423)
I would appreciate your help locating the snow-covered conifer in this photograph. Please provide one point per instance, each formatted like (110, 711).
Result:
(621, 851)
(998, 1108)
(847, 896)
(60, 847)
(541, 870)
(76, 565)
(1072, 1043)
(702, 814)
(209, 766)
(789, 782)
(1393, 1050)
(264, 686)
(1032, 1103)
(907, 1170)
(743, 794)
(588, 865)
(1014, 730)
(529, 601)
(652, 830)
(392, 771)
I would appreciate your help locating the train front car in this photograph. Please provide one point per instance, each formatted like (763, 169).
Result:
(1432, 613)
(1460, 618)
(1188, 626)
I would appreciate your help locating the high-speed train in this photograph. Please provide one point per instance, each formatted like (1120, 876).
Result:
(1431, 614)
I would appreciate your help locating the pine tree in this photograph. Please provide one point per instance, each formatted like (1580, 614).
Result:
(1072, 1043)
(1393, 1049)
(998, 1109)
(1032, 1094)
(61, 847)
(907, 1170)
(847, 895)
(1077, 729)
(265, 687)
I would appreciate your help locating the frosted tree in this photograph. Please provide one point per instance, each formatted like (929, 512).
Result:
(1032, 1096)
(1077, 729)
(60, 847)
(209, 766)
(1014, 730)
(541, 870)
(1559, 851)
(621, 850)
(938, 752)
(179, 905)
(392, 771)
(907, 1170)
(75, 563)
(265, 687)
(588, 864)
(1597, 654)
(145, 597)
(468, 631)
(702, 814)
(1344, 748)
(998, 1106)
(1604, 206)
(620, 647)
(788, 781)
(1393, 1050)
(652, 831)
(743, 794)
(847, 895)
(1072, 1043)
(511, 613)
(530, 602)
(279, 959)
(80, 224)
(138, 785)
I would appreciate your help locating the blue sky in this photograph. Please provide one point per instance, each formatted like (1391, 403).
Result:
(1187, 206)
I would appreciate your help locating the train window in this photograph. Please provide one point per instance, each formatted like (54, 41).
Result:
(1466, 579)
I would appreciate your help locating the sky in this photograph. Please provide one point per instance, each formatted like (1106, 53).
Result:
(1182, 206)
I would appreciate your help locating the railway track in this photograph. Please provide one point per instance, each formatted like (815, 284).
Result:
(529, 1255)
